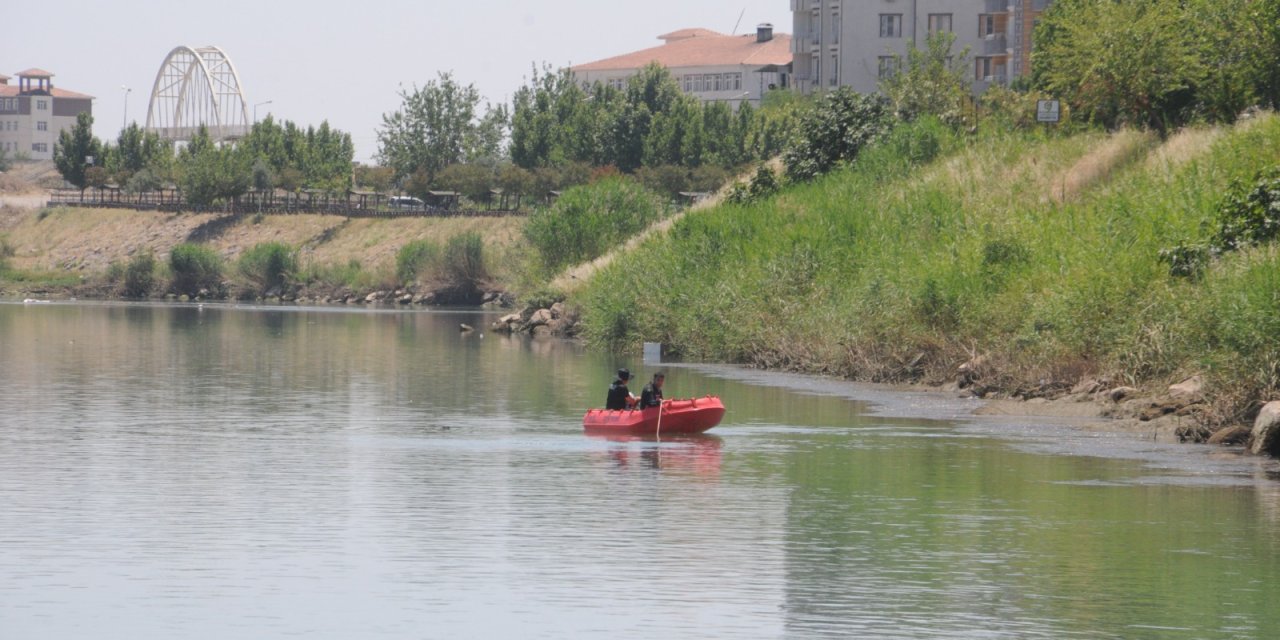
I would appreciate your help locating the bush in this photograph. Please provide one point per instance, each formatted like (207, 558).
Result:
(417, 258)
(140, 275)
(195, 267)
(268, 265)
(464, 258)
(6, 252)
(586, 221)
(834, 130)
(762, 185)
(1250, 214)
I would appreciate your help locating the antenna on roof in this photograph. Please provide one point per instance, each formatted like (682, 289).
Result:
(735, 25)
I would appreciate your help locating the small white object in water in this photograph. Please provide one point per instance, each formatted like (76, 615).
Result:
(34, 301)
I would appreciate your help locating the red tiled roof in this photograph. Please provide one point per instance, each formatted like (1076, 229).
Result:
(689, 33)
(705, 49)
(34, 73)
(13, 90)
(74, 95)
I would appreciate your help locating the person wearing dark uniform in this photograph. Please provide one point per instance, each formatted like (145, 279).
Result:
(652, 394)
(619, 395)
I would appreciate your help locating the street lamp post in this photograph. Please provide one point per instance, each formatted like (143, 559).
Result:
(255, 110)
(125, 121)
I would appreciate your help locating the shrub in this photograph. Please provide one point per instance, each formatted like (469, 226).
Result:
(415, 259)
(6, 252)
(464, 258)
(140, 275)
(762, 185)
(586, 221)
(1250, 214)
(834, 130)
(268, 265)
(1186, 260)
(195, 267)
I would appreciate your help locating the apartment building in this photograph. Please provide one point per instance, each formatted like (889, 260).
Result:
(856, 43)
(708, 65)
(33, 113)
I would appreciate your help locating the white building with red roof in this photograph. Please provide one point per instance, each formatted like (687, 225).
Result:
(708, 65)
(33, 112)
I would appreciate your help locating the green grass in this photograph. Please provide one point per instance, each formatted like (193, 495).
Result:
(1039, 251)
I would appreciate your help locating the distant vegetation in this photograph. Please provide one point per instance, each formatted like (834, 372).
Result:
(589, 220)
(271, 156)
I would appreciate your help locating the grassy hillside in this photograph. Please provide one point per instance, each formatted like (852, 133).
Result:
(54, 243)
(1039, 252)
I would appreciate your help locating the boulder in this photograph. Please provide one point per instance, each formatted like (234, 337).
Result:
(557, 310)
(405, 298)
(1230, 436)
(540, 317)
(373, 297)
(1087, 386)
(1266, 430)
(1190, 390)
(1120, 393)
(465, 328)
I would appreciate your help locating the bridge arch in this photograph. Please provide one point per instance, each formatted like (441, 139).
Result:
(194, 87)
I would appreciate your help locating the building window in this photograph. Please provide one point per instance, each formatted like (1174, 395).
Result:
(41, 125)
(939, 23)
(42, 105)
(8, 104)
(988, 68)
(617, 83)
(986, 25)
(835, 69)
(835, 28)
(888, 66)
(891, 25)
(40, 147)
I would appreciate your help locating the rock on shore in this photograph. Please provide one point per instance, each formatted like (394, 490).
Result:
(556, 320)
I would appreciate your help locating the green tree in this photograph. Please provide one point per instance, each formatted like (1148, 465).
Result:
(1120, 62)
(474, 181)
(211, 173)
(136, 149)
(553, 120)
(934, 81)
(74, 148)
(834, 129)
(515, 181)
(438, 125)
(1262, 28)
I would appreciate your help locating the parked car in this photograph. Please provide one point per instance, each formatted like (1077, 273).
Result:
(406, 202)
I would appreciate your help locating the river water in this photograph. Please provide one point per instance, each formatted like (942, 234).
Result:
(250, 472)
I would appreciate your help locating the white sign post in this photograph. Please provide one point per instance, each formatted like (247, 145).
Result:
(1048, 111)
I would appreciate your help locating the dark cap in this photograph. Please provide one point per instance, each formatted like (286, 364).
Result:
(623, 374)
(659, 376)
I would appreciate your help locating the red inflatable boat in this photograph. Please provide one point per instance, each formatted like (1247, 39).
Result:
(693, 415)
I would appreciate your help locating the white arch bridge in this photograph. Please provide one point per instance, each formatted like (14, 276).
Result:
(197, 87)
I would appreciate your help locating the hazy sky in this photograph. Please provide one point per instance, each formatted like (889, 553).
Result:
(340, 61)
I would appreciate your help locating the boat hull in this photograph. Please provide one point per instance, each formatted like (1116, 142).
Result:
(693, 415)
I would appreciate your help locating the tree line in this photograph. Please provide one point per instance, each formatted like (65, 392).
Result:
(558, 132)
(272, 155)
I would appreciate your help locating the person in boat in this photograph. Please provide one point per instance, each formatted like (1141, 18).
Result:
(651, 396)
(619, 396)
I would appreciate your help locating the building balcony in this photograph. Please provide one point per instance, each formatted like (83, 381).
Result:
(995, 44)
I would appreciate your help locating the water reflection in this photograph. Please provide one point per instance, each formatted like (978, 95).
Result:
(697, 454)
(184, 471)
